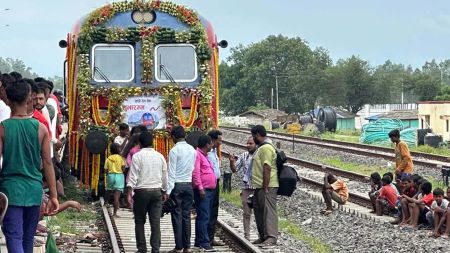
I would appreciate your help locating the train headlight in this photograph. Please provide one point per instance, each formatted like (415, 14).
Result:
(140, 17)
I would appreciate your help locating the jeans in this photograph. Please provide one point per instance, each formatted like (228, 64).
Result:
(203, 207)
(183, 195)
(266, 217)
(147, 202)
(214, 213)
(19, 227)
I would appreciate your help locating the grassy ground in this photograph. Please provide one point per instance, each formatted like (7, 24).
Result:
(353, 136)
(69, 219)
(285, 225)
(431, 150)
(354, 167)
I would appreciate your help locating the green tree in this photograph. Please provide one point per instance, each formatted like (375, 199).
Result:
(252, 72)
(8, 65)
(355, 74)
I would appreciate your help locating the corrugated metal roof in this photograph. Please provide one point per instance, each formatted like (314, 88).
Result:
(403, 114)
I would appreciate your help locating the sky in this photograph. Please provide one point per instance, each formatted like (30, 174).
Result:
(408, 32)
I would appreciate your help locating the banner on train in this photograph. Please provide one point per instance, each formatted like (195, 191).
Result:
(147, 111)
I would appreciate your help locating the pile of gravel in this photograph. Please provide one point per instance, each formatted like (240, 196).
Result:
(343, 232)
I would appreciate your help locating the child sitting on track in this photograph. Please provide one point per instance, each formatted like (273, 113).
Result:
(375, 186)
(114, 166)
(333, 189)
(421, 205)
(388, 197)
(438, 212)
(409, 191)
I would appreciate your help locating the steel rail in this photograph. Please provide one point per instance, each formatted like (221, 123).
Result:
(111, 230)
(353, 197)
(434, 161)
(313, 165)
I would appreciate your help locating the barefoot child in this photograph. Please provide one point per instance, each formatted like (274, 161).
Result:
(438, 211)
(388, 196)
(114, 166)
(333, 189)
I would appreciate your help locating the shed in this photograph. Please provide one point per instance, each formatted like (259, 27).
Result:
(435, 115)
(265, 114)
(344, 120)
(409, 118)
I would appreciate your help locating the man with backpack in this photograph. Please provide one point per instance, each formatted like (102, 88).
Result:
(265, 182)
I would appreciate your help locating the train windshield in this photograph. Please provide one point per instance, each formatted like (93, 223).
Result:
(113, 63)
(175, 63)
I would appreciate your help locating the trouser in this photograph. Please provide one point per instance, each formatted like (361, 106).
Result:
(266, 217)
(19, 227)
(203, 208)
(214, 212)
(183, 195)
(147, 202)
(247, 211)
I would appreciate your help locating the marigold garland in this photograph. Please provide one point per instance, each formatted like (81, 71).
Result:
(80, 92)
(99, 121)
(193, 109)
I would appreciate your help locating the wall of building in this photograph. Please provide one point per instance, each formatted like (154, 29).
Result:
(345, 124)
(435, 116)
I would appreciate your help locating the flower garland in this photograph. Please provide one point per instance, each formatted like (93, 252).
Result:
(193, 109)
(96, 112)
(82, 93)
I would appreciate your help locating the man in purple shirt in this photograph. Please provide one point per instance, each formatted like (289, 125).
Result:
(203, 182)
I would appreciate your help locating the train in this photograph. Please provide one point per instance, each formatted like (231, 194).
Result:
(152, 63)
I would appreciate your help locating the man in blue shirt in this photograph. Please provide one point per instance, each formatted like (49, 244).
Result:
(181, 165)
(213, 158)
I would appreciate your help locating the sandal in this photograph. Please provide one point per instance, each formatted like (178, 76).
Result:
(444, 236)
(326, 212)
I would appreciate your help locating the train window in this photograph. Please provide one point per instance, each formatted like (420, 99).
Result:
(112, 63)
(175, 62)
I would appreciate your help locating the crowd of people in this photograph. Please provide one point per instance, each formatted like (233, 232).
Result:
(30, 131)
(190, 179)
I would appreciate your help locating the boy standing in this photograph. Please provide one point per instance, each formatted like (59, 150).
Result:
(24, 145)
(403, 160)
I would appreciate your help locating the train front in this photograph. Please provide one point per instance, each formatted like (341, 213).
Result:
(143, 63)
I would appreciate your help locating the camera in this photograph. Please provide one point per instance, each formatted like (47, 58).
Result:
(168, 206)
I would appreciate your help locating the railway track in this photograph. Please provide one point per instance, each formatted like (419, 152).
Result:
(419, 158)
(353, 197)
(312, 165)
(122, 234)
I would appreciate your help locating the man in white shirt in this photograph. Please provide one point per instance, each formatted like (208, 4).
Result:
(181, 164)
(148, 180)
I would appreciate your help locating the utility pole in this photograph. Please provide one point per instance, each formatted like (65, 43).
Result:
(271, 99)
(402, 91)
(276, 88)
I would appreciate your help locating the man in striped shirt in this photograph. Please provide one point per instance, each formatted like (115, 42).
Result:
(244, 165)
